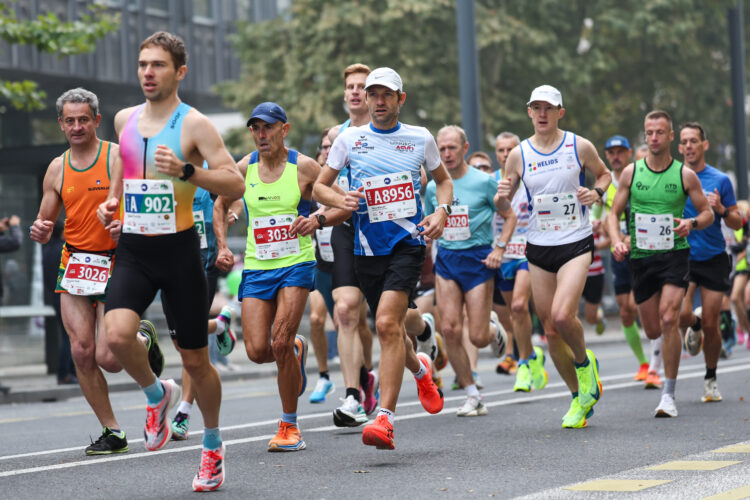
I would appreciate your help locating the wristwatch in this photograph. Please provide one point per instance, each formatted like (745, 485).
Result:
(321, 220)
(725, 214)
(693, 222)
(445, 207)
(501, 244)
(187, 170)
(599, 191)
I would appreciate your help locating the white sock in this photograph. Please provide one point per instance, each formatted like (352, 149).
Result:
(422, 370)
(221, 325)
(655, 364)
(387, 413)
(185, 407)
(472, 390)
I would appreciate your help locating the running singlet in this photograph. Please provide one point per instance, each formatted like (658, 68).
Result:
(387, 164)
(656, 199)
(82, 190)
(516, 248)
(709, 242)
(153, 207)
(552, 181)
(270, 209)
(473, 208)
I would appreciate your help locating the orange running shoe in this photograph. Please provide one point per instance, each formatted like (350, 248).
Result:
(642, 372)
(379, 433)
(507, 366)
(287, 439)
(652, 380)
(430, 395)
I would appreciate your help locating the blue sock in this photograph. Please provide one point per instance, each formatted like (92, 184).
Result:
(289, 418)
(154, 392)
(211, 439)
(581, 365)
(523, 362)
(533, 355)
(575, 394)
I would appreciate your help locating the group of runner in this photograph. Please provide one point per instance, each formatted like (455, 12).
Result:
(354, 226)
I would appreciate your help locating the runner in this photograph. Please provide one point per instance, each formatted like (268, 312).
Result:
(710, 265)
(657, 188)
(385, 159)
(160, 142)
(559, 244)
(85, 263)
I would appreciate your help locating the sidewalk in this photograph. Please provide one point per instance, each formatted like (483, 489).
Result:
(30, 382)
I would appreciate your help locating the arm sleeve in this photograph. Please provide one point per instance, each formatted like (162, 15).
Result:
(431, 153)
(338, 156)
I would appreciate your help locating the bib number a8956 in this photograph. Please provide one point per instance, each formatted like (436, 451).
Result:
(390, 196)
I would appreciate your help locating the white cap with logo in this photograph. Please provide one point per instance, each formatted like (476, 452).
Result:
(546, 93)
(385, 77)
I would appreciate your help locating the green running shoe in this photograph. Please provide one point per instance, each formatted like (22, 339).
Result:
(180, 426)
(523, 378)
(155, 356)
(589, 385)
(539, 375)
(576, 416)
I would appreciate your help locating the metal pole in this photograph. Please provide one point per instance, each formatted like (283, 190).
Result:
(468, 73)
(737, 45)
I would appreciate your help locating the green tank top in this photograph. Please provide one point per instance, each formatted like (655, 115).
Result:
(271, 208)
(656, 193)
(742, 264)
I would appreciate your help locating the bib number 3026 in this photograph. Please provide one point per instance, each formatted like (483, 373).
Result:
(86, 274)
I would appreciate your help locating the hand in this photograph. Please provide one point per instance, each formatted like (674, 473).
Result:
(586, 196)
(41, 230)
(504, 188)
(224, 259)
(106, 212)
(115, 230)
(303, 226)
(684, 226)
(714, 199)
(621, 249)
(14, 220)
(596, 226)
(231, 218)
(495, 258)
(166, 161)
(4, 224)
(351, 200)
(433, 224)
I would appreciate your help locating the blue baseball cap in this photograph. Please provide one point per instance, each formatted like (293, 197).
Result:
(617, 140)
(269, 112)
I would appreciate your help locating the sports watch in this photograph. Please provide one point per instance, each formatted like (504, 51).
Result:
(187, 171)
(446, 207)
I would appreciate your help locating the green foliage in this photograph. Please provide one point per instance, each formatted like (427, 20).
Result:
(613, 60)
(47, 33)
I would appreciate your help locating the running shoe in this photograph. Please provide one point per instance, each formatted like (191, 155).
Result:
(477, 380)
(589, 385)
(740, 336)
(379, 434)
(430, 395)
(500, 339)
(455, 385)
(108, 443)
(694, 338)
(666, 408)
(155, 356)
(472, 407)
(508, 366)
(642, 372)
(158, 428)
(225, 340)
(441, 360)
(652, 380)
(576, 416)
(711, 392)
(300, 350)
(523, 378)
(322, 389)
(211, 473)
(601, 325)
(429, 346)
(180, 425)
(370, 399)
(287, 439)
(350, 413)
(539, 375)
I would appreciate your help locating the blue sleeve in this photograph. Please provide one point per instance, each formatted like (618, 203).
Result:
(429, 198)
(727, 193)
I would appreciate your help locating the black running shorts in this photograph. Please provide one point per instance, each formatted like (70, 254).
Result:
(398, 271)
(651, 273)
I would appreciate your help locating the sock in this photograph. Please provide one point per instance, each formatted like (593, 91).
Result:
(697, 325)
(221, 325)
(710, 373)
(426, 333)
(325, 375)
(421, 372)
(633, 336)
(364, 376)
(524, 361)
(574, 394)
(582, 365)
(185, 407)
(117, 432)
(387, 413)
(669, 384)
(154, 392)
(533, 354)
(472, 390)
(354, 393)
(211, 438)
(289, 418)
(655, 364)
(146, 337)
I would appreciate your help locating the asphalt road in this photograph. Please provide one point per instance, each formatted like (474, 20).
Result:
(518, 449)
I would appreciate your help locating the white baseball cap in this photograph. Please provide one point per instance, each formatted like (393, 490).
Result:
(546, 93)
(385, 77)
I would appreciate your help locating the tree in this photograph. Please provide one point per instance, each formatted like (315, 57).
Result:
(49, 34)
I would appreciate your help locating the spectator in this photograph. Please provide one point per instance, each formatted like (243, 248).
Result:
(10, 241)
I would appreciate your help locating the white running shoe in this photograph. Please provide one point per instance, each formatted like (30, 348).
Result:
(666, 407)
(711, 392)
(472, 407)
(694, 338)
(349, 414)
(429, 346)
(500, 340)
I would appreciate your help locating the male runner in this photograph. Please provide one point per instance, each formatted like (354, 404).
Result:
(710, 265)
(161, 141)
(385, 159)
(657, 188)
(559, 243)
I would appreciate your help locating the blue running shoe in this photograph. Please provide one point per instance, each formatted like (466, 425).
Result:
(322, 389)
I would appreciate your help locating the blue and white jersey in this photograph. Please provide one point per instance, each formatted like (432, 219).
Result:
(370, 152)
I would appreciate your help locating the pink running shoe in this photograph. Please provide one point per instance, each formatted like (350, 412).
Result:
(370, 402)
(158, 427)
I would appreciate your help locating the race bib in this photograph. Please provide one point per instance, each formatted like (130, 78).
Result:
(149, 206)
(390, 197)
(557, 212)
(516, 248)
(200, 227)
(86, 274)
(272, 238)
(457, 224)
(654, 232)
(323, 237)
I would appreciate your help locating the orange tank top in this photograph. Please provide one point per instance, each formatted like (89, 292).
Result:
(82, 191)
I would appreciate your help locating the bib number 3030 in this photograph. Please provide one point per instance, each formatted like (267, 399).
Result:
(149, 206)
(272, 238)
(86, 274)
(390, 196)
